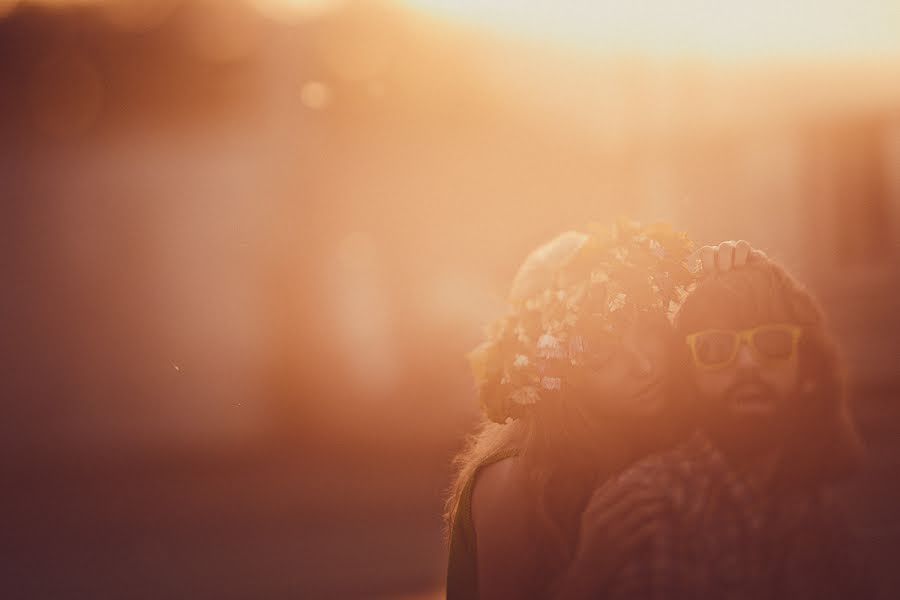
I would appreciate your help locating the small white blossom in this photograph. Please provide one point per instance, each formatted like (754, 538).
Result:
(657, 249)
(576, 344)
(617, 302)
(599, 276)
(574, 299)
(525, 395)
(520, 361)
(547, 341)
(551, 383)
(522, 335)
(549, 347)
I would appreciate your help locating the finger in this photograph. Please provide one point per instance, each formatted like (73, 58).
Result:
(708, 259)
(610, 553)
(641, 512)
(633, 536)
(628, 539)
(757, 255)
(610, 498)
(612, 491)
(628, 513)
(725, 256)
(741, 252)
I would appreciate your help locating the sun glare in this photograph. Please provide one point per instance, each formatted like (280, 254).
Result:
(721, 30)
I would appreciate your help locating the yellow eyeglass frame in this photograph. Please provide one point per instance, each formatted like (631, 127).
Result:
(744, 336)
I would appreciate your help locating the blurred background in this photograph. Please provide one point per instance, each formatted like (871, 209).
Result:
(246, 244)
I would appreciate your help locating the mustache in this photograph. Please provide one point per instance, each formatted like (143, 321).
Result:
(749, 379)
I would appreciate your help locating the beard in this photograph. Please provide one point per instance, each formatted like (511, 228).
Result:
(748, 419)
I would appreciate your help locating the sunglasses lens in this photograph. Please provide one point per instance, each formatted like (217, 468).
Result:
(774, 342)
(714, 347)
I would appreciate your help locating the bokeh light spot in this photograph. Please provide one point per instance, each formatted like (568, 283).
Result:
(315, 95)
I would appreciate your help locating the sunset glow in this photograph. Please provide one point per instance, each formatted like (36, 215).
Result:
(726, 30)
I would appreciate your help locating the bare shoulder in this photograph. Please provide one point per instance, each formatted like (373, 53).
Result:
(499, 496)
(501, 517)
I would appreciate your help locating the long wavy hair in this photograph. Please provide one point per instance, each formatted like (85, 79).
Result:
(823, 444)
(564, 450)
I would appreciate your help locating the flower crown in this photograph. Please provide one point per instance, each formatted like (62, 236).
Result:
(616, 273)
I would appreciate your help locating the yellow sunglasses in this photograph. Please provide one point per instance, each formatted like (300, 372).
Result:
(717, 348)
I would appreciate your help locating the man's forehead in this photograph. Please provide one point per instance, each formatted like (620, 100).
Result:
(739, 321)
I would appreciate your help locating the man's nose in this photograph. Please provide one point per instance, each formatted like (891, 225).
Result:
(746, 357)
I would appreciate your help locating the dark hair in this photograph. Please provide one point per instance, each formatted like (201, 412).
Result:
(826, 445)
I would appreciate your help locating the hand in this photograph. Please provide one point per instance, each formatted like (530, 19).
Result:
(726, 256)
(618, 520)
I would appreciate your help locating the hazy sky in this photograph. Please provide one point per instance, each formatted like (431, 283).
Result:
(722, 29)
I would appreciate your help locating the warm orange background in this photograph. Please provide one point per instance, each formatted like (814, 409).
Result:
(246, 245)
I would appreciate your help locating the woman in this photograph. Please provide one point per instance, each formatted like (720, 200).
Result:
(575, 382)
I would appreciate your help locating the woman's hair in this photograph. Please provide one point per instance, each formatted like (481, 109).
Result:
(561, 451)
(824, 444)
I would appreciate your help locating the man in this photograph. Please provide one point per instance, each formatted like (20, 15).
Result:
(739, 510)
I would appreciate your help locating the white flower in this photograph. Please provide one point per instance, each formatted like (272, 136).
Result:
(551, 383)
(522, 335)
(520, 361)
(599, 276)
(547, 341)
(576, 344)
(549, 347)
(656, 249)
(617, 302)
(525, 395)
(573, 299)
